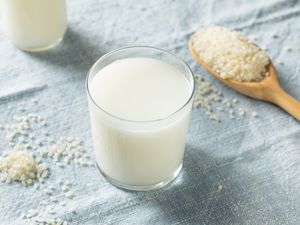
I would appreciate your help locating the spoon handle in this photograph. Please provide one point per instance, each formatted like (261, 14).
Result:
(287, 102)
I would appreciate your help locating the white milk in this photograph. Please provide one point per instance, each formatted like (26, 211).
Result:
(139, 89)
(34, 24)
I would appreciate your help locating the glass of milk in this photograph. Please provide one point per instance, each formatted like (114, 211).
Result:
(34, 25)
(140, 99)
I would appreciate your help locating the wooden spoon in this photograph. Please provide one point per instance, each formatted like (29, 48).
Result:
(268, 89)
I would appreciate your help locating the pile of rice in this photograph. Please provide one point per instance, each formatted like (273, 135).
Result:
(19, 165)
(230, 54)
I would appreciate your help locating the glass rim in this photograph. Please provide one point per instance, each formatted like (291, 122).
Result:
(136, 47)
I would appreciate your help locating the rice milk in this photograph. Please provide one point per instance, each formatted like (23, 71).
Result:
(138, 137)
(34, 24)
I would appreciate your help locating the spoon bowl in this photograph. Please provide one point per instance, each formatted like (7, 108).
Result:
(268, 89)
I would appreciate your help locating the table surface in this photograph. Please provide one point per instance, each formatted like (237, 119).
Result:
(255, 160)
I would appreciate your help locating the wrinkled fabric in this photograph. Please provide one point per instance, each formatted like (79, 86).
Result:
(239, 171)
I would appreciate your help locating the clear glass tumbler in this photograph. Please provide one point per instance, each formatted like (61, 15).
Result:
(34, 25)
(139, 155)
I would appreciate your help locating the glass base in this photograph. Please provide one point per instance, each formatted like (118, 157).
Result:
(141, 187)
(42, 48)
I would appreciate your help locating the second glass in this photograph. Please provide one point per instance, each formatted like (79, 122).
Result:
(34, 25)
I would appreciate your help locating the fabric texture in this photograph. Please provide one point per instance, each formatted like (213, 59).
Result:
(241, 171)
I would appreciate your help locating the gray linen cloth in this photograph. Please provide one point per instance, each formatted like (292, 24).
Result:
(241, 171)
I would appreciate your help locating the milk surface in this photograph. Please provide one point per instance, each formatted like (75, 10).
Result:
(33, 24)
(139, 89)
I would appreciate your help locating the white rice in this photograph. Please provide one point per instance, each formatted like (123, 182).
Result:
(230, 54)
